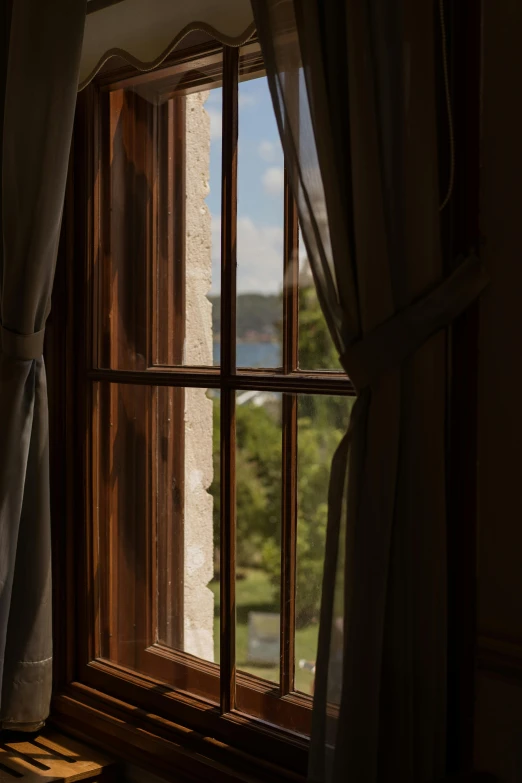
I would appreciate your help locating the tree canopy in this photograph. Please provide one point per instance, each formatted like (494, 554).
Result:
(255, 314)
(322, 421)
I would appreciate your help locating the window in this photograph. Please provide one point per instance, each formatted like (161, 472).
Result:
(211, 402)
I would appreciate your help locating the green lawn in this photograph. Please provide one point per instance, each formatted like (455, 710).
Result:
(254, 593)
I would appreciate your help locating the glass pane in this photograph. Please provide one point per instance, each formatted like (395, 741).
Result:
(125, 522)
(260, 229)
(258, 504)
(188, 275)
(129, 181)
(322, 422)
(187, 464)
(316, 348)
(171, 514)
(161, 225)
(203, 228)
(215, 491)
(156, 523)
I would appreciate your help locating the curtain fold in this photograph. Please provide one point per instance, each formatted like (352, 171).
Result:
(353, 87)
(40, 97)
(144, 32)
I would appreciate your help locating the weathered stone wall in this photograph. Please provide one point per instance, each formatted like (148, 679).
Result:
(199, 601)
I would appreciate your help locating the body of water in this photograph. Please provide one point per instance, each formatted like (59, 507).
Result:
(254, 354)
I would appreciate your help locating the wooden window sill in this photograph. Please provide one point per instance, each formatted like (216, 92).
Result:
(156, 744)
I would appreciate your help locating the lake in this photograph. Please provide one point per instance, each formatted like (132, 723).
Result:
(254, 354)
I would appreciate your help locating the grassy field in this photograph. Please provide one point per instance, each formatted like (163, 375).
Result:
(254, 593)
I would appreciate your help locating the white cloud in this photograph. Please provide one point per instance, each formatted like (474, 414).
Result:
(273, 180)
(268, 151)
(246, 99)
(259, 256)
(214, 98)
(215, 122)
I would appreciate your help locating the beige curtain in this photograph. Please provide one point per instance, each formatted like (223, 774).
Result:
(353, 88)
(144, 32)
(40, 97)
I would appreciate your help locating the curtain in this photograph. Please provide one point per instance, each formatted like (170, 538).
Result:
(353, 88)
(40, 98)
(144, 32)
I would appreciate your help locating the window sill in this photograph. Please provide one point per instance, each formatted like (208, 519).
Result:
(156, 744)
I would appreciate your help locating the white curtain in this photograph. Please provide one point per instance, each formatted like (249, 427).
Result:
(40, 97)
(144, 32)
(353, 87)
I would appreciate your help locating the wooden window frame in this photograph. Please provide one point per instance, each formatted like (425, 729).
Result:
(141, 164)
(127, 713)
(233, 690)
(99, 680)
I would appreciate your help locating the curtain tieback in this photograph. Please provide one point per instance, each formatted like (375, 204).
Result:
(388, 345)
(22, 346)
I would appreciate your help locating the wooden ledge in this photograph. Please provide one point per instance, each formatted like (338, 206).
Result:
(51, 756)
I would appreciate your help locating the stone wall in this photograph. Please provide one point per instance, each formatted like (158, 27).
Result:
(199, 601)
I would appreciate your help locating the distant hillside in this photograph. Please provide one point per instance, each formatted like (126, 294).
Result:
(257, 316)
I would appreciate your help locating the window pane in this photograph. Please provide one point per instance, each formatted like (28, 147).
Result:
(125, 522)
(188, 275)
(161, 193)
(203, 227)
(322, 422)
(171, 514)
(258, 540)
(129, 182)
(156, 525)
(316, 348)
(260, 229)
(187, 464)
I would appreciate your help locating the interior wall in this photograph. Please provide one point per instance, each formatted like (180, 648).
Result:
(498, 724)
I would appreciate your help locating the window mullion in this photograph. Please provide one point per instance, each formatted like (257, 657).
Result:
(178, 189)
(291, 281)
(228, 367)
(288, 543)
(289, 456)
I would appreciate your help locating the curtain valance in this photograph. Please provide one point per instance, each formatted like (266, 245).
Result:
(144, 32)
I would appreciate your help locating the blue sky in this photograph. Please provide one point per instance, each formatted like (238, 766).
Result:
(260, 190)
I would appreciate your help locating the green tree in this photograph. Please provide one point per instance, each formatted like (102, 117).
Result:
(322, 421)
(258, 480)
(315, 451)
(317, 352)
(316, 348)
(254, 313)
